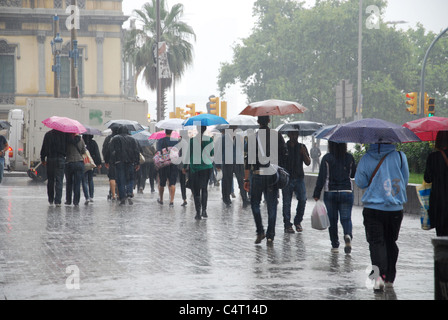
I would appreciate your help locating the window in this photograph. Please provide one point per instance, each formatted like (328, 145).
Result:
(7, 73)
(65, 75)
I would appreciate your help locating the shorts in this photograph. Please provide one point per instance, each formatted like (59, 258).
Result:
(111, 172)
(170, 172)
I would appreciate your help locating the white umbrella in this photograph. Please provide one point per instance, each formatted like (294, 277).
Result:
(170, 124)
(241, 121)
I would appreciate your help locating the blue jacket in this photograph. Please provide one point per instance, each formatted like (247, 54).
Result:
(388, 189)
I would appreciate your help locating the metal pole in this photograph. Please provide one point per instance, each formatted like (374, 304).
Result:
(74, 90)
(422, 81)
(159, 109)
(57, 72)
(359, 102)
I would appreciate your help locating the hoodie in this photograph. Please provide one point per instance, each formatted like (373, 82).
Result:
(387, 191)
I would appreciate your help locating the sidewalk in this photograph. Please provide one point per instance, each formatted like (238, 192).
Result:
(149, 251)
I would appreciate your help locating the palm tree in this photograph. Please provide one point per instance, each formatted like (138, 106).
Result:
(140, 44)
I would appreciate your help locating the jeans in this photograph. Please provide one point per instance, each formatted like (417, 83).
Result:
(124, 176)
(2, 168)
(73, 176)
(296, 186)
(339, 205)
(263, 184)
(87, 184)
(55, 176)
(382, 229)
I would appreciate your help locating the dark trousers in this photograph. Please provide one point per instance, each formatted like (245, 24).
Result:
(55, 175)
(263, 184)
(182, 181)
(228, 170)
(73, 178)
(124, 176)
(382, 229)
(199, 184)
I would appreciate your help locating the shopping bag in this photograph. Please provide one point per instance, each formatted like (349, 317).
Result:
(423, 193)
(89, 164)
(319, 217)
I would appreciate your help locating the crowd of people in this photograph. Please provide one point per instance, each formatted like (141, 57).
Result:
(382, 172)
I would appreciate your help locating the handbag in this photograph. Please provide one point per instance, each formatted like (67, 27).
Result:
(319, 216)
(165, 157)
(142, 159)
(423, 193)
(89, 164)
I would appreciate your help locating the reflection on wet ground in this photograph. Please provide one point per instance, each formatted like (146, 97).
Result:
(148, 251)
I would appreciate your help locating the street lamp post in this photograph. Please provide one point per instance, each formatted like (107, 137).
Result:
(73, 55)
(359, 100)
(56, 48)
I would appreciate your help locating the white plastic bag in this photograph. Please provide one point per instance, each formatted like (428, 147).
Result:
(319, 217)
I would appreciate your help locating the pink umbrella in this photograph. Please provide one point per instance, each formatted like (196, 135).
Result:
(64, 124)
(161, 134)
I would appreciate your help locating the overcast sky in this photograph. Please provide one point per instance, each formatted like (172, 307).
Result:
(218, 24)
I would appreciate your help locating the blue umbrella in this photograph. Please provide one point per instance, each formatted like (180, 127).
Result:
(205, 120)
(372, 131)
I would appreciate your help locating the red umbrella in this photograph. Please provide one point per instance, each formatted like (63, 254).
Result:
(64, 124)
(273, 108)
(427, 128)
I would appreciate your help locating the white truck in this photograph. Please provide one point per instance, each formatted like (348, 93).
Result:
(27, 130)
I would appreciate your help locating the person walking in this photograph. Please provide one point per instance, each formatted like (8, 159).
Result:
(297, 156)
(384, 174)
(231, 151)
(52, 156)
(124, 155)
(108, 164)
(199, 166)
(336, 169)
(88, 186)
(74, 170)
(170, 172)
(315, 156)
(4, 146)
(148, 152)
(436, 172)
(262, 181)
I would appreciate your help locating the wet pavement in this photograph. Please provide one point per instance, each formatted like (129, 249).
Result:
(149, 251)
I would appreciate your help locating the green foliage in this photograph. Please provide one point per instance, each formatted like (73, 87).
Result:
(301, 54)
(417, 153)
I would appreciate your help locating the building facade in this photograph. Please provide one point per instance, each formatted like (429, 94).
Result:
(26, 59)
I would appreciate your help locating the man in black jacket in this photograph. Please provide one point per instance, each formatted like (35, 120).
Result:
(52, 155)
(297, 156)
(124, 154)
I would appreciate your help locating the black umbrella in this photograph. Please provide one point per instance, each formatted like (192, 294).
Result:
(304, 128)
(130, 124)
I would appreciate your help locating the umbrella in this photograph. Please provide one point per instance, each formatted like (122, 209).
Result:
(64, 124)
(427, 128)
(273, 108)
(371, 131)
(5, 125)
(242, 122)
(205, 120)
(93, 131)
(322, 132)
(161, 134)
(143, 138)
(170, 124)
(304, 128)
(130, 124)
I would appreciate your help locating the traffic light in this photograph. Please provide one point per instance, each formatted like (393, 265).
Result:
(224, 109)
(172, 115)
(180, 113)
(431, 107)
(413, 102)
(214, 106)
(192, 108)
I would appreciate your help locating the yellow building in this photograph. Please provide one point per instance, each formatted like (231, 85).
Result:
(26, 32)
